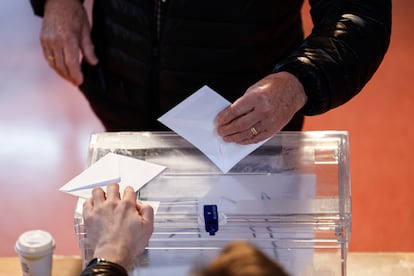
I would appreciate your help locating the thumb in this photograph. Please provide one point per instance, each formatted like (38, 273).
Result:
(86, 45)
(87, 207)
(146, 211)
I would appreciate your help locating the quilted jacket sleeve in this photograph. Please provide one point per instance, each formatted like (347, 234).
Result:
(343, 51)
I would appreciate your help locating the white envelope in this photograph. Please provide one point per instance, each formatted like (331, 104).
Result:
(126, 171)
(194, 120)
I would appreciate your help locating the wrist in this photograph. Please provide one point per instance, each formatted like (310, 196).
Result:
(112, 254)
(52, 3)
(65, 1)
(298, 93)
(101, 264)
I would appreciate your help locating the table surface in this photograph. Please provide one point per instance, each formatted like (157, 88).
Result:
(366, 264)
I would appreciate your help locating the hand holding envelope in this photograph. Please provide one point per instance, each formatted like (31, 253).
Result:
(194, 119)
(126, 171)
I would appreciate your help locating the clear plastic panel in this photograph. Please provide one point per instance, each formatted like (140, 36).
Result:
(291, 197)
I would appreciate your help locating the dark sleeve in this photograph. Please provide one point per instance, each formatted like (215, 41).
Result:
(343, 51)
(38, 6)
(104, 269)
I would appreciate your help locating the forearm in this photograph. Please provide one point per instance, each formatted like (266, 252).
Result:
(342, 53)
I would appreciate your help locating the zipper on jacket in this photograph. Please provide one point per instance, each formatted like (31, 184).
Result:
(158, 17)
(154, 97)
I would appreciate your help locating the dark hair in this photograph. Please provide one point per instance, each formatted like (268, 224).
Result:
(242, 259)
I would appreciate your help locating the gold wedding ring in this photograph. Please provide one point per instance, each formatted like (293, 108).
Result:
(50, 57)
(253, 131)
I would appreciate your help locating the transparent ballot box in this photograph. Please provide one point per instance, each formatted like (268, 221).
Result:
(291, 198)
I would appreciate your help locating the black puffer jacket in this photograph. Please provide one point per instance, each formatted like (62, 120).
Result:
(153, 54)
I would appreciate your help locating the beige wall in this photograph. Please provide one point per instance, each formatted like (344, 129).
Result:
(380, 121)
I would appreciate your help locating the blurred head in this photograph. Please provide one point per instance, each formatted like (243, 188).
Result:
(242, 259)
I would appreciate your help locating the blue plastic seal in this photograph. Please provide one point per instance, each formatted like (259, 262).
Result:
(211, 219)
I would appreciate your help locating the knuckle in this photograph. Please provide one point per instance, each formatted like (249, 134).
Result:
(237, 124)
(127, 204)
(111, 202)
(71, 64)
(261, 98)
(235, 111)
(50, 39)
(265, 112)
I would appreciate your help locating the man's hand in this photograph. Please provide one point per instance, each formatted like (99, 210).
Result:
(65, 36)
(263, 110)
(117, 229)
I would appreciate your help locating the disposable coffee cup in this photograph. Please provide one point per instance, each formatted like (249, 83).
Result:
(35, 250)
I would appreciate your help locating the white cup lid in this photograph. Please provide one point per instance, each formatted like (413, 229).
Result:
(35, 242)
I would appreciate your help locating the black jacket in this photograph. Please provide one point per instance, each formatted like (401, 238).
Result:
(153, 54)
